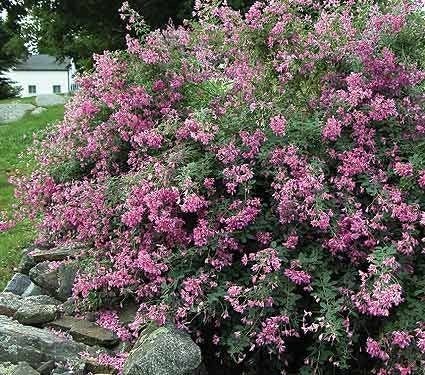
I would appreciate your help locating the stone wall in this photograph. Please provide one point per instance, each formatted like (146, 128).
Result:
(40, 334)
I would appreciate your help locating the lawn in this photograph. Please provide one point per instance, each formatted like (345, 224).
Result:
(15, 138)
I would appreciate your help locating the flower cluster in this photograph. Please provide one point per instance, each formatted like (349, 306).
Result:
(241, 173)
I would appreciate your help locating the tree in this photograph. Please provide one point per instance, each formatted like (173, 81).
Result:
(79, 28)
(11, 49)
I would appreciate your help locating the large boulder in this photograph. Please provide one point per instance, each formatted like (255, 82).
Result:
(18, 284)
(49, 100)
(163, 351)
(36, 346)
(14, 111)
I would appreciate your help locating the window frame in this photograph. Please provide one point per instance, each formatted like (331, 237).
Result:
(30, 89)
(56, 86)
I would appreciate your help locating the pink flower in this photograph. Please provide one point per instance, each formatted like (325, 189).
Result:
(374, 350)
(274, 331)
(193, 203)
(332, 130)
(109, 319)
(202, 233)
(298, 277)
(244, 217)
(228, 154)
(403, 169)
(215, 340)
(6, 225)
(421, 179)
(382, 109)
(278, 125)
(384, 294)
(401, 339)
(253, 142)
(237, 175)
(403, 369)
(291, 242)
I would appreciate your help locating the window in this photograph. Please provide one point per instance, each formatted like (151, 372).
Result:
(32, 89)
(56, 89)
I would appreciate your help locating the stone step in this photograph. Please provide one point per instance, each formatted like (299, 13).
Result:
(56, 254)
(86, 332)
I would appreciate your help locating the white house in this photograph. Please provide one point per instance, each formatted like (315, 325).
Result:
(43, 74)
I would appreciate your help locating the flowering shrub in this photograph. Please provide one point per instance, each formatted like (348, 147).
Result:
(258, 180)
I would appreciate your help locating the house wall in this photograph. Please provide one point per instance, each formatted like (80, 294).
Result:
(43, 80)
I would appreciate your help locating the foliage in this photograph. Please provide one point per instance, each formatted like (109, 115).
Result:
(11, 49)
(258, 180)
(79, 28)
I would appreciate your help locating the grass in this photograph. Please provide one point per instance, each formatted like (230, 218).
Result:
(15, 138)
(30, 100)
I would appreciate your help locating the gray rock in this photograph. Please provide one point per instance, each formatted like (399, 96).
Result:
(63, 324)
(86, 332)
(47, 367)
(128, 313)
(56, 281)
(34, 290)
(57, 253)
(62, 371)
(18, 284)
(6, 368)
(36, 346)
(27, 262)
(42, 300)
(93, 367)
(24, 368)
(49, 100)
(92, 334)
(163, 351)
(14, 111)
(35, 314)
(9, 303)
(66, 277)
(69, 307)
(201, 370)
(38, 111)
(44, 276)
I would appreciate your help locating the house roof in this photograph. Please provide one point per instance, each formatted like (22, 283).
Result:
(43, 63)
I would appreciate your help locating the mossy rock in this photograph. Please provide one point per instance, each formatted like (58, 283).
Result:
(163, 351)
